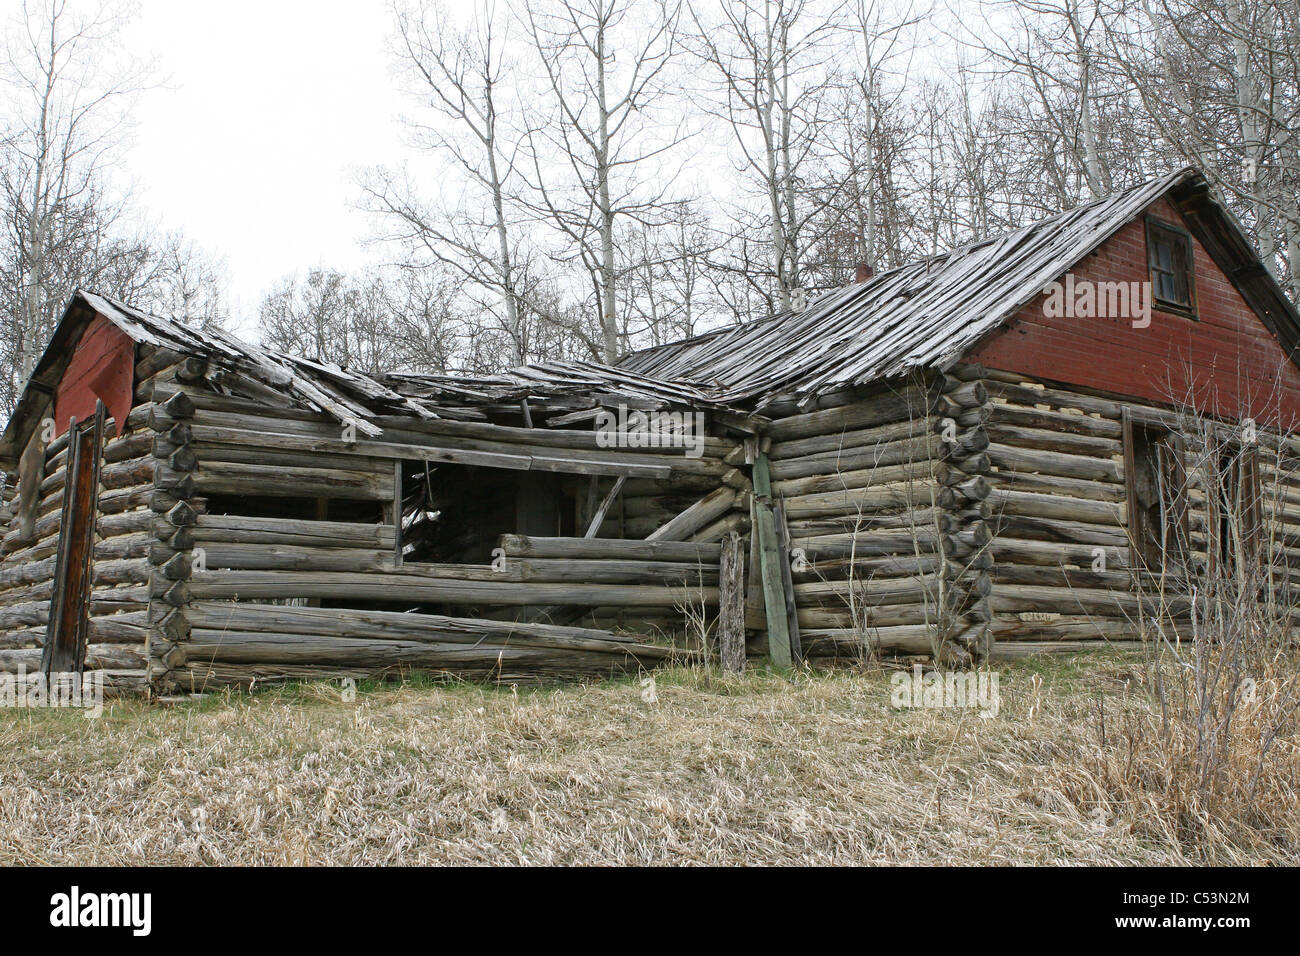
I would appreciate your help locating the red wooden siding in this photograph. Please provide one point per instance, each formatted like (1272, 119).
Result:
(1225, 362)
(102, 367)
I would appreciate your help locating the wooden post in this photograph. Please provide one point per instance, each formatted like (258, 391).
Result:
(397, 512)
(787, 581)
(731, 601)
(770, 559)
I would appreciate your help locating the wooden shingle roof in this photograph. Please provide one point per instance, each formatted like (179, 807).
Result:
(929, 313)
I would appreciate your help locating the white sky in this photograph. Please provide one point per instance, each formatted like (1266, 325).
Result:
(252, 145)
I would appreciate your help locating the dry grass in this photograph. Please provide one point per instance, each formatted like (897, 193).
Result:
(764, 769)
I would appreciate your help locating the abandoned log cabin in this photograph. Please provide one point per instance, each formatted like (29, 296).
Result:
(1022, 444)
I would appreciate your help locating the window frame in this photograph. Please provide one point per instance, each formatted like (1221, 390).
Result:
(1176, 512)
(1154, 227)
(1240, 483)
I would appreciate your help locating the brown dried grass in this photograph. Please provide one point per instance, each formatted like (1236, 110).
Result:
(764, 769)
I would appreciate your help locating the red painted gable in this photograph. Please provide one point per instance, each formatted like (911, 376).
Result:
(1224, 362)
(102, 367)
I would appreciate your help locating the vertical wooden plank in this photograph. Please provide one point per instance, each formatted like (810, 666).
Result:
(754, 581)
(787, 581)
(397, 512)
(778, 628)
(65, 636)
(731, 604)
(31, 471)
(1130, 492)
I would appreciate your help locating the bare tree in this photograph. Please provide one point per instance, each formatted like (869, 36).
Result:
(1220, 81)
(185, 284)
(69, 89)
(773, 63)
(601, 159)
(463, 79)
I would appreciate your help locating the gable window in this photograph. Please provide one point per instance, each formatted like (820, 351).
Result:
(1156, 480)
(1169, 260)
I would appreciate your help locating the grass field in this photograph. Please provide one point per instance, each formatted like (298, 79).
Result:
(813, 767)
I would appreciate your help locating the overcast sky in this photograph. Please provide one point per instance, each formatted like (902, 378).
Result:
(251, 145)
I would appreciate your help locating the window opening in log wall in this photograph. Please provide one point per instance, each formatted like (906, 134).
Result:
(1235, 507)
(1156, 479)
(456, 514)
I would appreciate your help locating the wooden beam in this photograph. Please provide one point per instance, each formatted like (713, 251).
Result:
(731, 604)
(770, 557)
(699, 515)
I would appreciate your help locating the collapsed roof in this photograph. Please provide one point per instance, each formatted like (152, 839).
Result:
(563, 392)
(920, 316)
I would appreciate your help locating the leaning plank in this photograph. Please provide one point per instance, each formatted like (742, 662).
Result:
(770, 557)
(598, 518)
(708, 509)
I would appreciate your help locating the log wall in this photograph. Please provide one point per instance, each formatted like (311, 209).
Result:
(1059, 504)
(882, 497)
(257, 594)
(120, 626)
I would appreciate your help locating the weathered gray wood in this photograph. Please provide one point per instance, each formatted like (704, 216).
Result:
(731, 605)
(770, 559)
(712, 506)
(598, 517)
(475, 586)
(634, 549)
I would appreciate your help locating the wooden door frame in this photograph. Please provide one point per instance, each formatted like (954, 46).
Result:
(65, 636)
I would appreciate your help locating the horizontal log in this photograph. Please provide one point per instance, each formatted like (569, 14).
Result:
(239, 479)
(1030, 461)
(832, 442)
(1053, 442)
(388, 625)
(906, 403)
(1056, 485)
(866, 501)
(909, 639)
(516, 545)
(1019, 650)
(928, 472)
(1053, 553)
(930, 448)
(308, 437)
(1059, 530)
(1035, 505)
(425, 588)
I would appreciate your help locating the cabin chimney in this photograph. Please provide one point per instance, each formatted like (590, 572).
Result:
(864, 272)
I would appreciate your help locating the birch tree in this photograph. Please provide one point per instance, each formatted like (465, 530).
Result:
(67, 88)
(771, 61)
(462, 78)
(1220, 81)
(601, 160)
